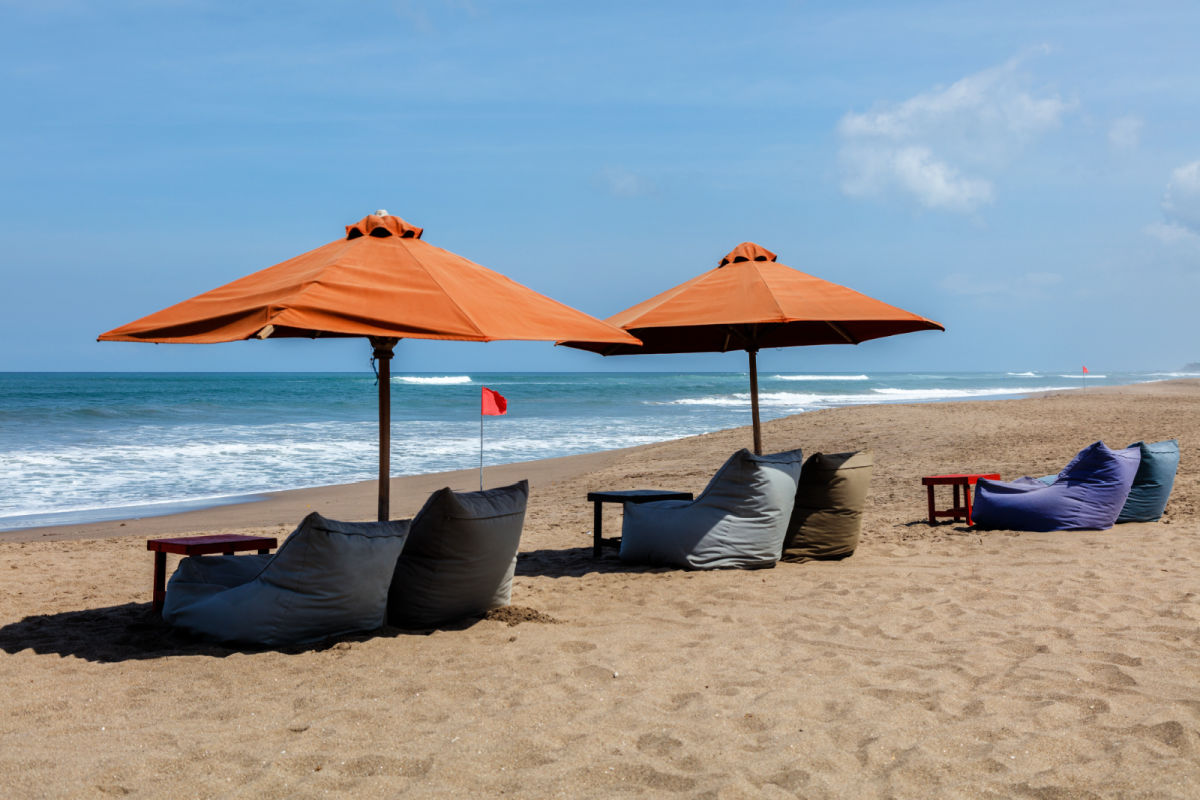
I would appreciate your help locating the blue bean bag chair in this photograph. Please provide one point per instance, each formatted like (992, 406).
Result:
(1153, 481)
(1088, 494)
(1151, 485)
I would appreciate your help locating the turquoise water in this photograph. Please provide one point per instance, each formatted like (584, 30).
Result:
(82, 447)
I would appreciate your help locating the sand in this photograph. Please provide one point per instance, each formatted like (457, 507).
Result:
(935, 662)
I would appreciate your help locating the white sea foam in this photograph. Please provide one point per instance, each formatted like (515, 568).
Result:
(1022, 374)
(881, 395)
(822, 378)
(1084, 376)
(442, 380)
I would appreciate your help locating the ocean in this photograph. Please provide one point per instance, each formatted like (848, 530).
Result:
(81, 447)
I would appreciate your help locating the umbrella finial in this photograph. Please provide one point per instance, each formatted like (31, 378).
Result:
(747, 251)
(382, 224)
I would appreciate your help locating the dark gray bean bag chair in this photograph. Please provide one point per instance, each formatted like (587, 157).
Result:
(738, 521)
(460, 557)
(1088, 494)
(827, 519)
(328, 578)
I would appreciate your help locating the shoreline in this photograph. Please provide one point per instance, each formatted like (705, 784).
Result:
(357, 501)
(228, 493)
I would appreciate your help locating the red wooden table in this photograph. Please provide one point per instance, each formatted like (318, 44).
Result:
(962, 506)
(227, 544)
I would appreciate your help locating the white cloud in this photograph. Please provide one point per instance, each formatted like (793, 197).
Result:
(1180, 231)
(1173, 234)
(939, 146)
(1125, 133)
(1181, 202)
(625, 183)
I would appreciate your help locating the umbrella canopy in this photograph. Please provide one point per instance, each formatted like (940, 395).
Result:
(751, 301)
(380, 281)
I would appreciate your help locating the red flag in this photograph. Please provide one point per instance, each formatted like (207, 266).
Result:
(494, 404)
(1085, 372)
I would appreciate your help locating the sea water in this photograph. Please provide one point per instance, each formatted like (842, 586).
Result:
(92, 446)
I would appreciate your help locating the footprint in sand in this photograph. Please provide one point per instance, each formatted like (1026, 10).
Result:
(658, 744)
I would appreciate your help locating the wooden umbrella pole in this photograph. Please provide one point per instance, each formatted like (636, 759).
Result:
(754, 401)
(383, 354)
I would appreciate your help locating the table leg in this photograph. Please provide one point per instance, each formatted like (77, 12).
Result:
(160, 580)
(957, 504)
(932, 515)
(967, 489)
(597, 536)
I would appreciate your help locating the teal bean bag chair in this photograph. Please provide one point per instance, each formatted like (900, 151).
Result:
(1153, 482)
(738, 521)
(328, 578)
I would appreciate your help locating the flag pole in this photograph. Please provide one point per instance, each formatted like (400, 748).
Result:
(481, 446)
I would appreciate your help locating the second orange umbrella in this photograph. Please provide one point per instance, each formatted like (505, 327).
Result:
(748, 302)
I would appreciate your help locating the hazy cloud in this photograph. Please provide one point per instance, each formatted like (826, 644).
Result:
(625, 183)
(1027, 285)
(940, 146)
(1125, 133)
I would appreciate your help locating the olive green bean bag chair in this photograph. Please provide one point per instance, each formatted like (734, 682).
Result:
(827, 516)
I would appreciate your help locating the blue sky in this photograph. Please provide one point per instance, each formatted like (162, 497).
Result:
(1026, 173)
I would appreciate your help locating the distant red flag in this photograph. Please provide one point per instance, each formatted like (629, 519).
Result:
(1085, 371)
(494, 404)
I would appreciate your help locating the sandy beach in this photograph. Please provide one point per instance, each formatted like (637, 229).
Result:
(937, 662)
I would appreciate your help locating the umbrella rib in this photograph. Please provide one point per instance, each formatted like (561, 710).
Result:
(434, 277)
(840, 331)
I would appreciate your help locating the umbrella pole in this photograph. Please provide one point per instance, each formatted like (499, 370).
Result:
(754, 401)
(383, 354)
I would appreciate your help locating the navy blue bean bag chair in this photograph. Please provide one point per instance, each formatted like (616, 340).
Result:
(1088, 494)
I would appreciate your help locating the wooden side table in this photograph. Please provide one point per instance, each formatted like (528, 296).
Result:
(227, 544)
(962, 506)
(628, 496)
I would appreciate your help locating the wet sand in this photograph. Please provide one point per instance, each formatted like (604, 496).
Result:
(938, 661)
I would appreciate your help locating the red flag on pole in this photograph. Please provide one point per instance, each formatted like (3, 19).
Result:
(494, 404)
(1085, 370)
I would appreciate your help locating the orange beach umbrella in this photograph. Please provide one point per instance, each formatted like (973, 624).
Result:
(748, 302)
(382, 282)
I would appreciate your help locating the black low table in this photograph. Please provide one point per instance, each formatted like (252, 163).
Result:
(597, 499)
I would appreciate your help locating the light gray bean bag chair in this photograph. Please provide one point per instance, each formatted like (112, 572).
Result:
(460, 556)
(738, 521)
(328, 578)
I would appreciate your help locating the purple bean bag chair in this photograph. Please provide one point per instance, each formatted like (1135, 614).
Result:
(1087, 495)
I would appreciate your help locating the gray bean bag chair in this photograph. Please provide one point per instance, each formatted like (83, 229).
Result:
(328, 578)
(738, 521)
(827, 519)
(1088, 494)
(460, 557)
